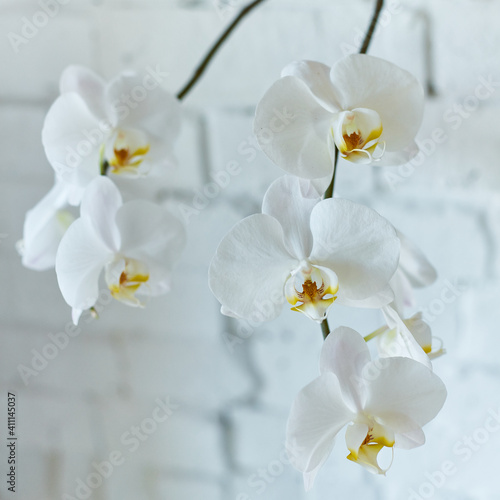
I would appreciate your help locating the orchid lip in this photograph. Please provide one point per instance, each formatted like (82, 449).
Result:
(314, 288)
(125, 277)
(356, 135)
(366, 453)
(126, 151)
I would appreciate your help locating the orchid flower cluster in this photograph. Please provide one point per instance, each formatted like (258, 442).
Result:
(109, 145)
(311, 251)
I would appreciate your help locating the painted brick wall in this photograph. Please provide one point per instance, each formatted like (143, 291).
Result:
(230, 387)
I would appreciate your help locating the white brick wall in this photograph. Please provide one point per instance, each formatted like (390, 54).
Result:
(226, 439)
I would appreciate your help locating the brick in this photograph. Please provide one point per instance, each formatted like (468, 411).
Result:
(171, 487)
(234, 149)
(22, 125)
(35, 74)
(184, 442)
(480, 319)
(36, 350)
(259, 438)
(453, 55)
(198, 373)
(274, 480)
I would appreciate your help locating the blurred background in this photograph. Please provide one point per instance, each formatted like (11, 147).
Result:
(227, 386)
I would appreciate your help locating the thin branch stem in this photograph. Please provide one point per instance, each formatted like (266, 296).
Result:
(371, 28)
(325, 328)
(331, 187)
(211, 53)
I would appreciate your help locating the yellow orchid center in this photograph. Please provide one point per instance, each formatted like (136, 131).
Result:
(314, 288)
(124, 278)
(127, 151)
(356, 135)
(366, 454)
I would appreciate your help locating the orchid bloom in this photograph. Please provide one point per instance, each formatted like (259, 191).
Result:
(134, 243)
(44, 226)
(305, 250)
(367, 108)
(385, 402)
(124, 128)
(403, 337)
(412, 336)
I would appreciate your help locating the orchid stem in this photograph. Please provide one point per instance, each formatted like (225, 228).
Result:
(371, 28)
(211, 53)
(104, 167)
(325, 328)
(331, 187)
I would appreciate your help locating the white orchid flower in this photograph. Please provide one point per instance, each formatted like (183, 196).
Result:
(126, 127)
(135, 244)
(402, 336)
(368, 108)
(305, 250)
(386, 402)
(44, 226)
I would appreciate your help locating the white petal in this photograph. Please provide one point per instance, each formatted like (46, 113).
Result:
(44, 227)
(355, 434)
(321, 183)
(404, 394)
(317, 415)
(403, 292)
(76, 315)
(72, 140)
(290, 201)
(377, 301)
(297, 144)
(396, 158)
(99, 207)
(87, 84)
(411, 439)
(364, 81)
(358, 244)
(399, 341)
(414, 264)
(345, 354)
(420, 330)
(131, 105)
(250, 268)
(80, 259)
(317, 78)
(151, 235)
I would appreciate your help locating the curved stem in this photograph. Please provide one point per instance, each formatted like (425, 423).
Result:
(325, 328)
(211, 53)
(371, 28)
(331, 187)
